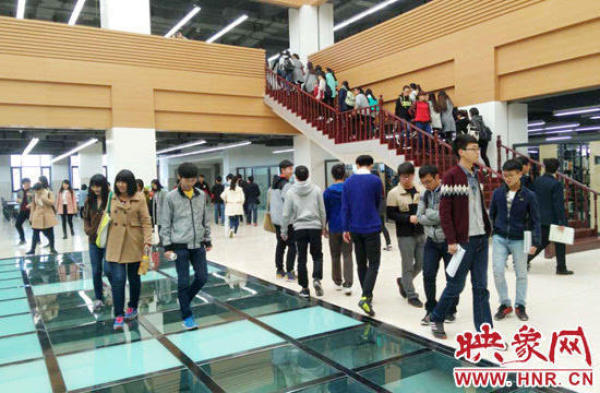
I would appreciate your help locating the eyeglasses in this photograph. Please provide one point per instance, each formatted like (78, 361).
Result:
(472, 149)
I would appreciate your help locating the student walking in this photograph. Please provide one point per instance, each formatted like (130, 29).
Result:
(42, 216)
(305, 210)
(218, 202)
(551, 198)
(277, 193)
(342, 274)
(361, 224)
(93, 210)
(402, 203)
(514, 210)
(24, 198)
(185, 231)
(234, 199)
(466, 224)
(436, 248)
(66, 206)
(252, 193)
(129, 237)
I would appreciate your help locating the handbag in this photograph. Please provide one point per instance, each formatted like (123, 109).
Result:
(268, 223)
(102, 237)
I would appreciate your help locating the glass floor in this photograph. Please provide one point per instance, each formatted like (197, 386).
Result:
(254, 337)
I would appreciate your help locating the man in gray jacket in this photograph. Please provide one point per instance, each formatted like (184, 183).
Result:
(185, 233)
(436, 248)
(305, 210)
(277, 193)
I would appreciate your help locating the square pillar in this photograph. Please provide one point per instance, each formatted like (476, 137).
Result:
(133, 149)
(132, 16)
(311, 29)
(90, 162)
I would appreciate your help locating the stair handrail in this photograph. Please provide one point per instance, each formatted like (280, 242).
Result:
(566, 179)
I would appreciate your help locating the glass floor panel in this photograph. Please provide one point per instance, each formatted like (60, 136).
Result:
(253, 337)
(267, 371)
(429, 370)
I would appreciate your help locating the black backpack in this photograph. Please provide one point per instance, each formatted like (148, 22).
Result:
(485, 133)
(288, 65)
(328, 92)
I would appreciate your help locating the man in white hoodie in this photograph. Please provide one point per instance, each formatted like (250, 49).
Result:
(304, 209)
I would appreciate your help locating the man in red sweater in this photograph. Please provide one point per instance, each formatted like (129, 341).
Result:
(466, 224)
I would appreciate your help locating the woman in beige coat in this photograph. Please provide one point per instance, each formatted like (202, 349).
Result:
(234, 204)
(43, 216)
(129, 236)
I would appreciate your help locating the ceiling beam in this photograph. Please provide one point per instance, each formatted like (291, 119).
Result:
(293, 3)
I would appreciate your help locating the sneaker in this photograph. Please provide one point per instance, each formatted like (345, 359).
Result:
(280, 274)
(503, 311)
(21, 243)
(365, 305)
(437, 328)
(98, 304)
(46, 245)
(305, 293)
(521, 314)
(119, 322)
(564, 272)
(189, 323)
(387, 248)
(347, 289)
(131, 313)
(64, 237)
(255, 224)
(291, 276)
(338, 287)
(30, 252)
(318, 288)
(415, 302)
(231, 233)
(426, 321)
(401, 287)
(450, 318)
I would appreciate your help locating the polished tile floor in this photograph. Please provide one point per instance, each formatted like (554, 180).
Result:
(254, 336)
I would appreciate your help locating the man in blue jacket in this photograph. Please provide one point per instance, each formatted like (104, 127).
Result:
(551, 197)
(337, 246)
(514, 210)
(361, 223)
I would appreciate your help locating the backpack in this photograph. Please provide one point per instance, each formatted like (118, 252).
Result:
(485, 134)
(288, 65)
(328, 92)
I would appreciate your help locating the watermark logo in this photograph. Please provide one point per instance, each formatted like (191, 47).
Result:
(571, 345)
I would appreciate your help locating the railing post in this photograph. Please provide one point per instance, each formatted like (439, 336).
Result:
(499, 151)
(381, 120)
(436, 142)
(595, 213)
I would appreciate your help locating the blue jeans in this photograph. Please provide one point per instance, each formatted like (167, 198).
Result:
(234, 223)
(425, 126)
(119, 273)
(96, 258)
(252, 213)
(474, 261)
(501, 248)
(219, 213)
(431, 263)
(186, 291)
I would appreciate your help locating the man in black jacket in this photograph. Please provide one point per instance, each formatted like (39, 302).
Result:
(252, 192)
(551, 198)
(525, 178)
(216, 192)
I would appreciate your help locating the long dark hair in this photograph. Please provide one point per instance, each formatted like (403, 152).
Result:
(92, 200)
(43, 180)
(234, 181)
(435, 103)
(443, 100)
(331, 72)
(369, 92)
(69, 188)
(158, 185)
(128, 177)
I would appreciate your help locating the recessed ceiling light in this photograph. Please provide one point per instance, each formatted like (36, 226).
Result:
(227, 28)
(183, 21)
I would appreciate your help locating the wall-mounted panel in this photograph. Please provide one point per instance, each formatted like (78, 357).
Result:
(192, 122)
(57, 117)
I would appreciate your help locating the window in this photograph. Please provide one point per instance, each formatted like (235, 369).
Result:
(31, 166)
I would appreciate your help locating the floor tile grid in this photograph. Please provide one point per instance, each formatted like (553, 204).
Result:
(56, 378)
(299, 345)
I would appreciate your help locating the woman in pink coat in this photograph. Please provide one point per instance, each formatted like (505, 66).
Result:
(66, 206)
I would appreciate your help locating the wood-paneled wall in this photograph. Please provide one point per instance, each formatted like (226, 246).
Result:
(58, 76)
(479, 51)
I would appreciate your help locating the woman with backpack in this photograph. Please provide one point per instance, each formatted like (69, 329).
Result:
(435, 112)
(481, 132)
(311, 79)
(298, 73)
(446, 108)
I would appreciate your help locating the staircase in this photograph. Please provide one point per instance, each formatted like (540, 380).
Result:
(581, 204)
(374, 131)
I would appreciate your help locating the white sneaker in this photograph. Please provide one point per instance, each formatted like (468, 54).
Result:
(231, 233)
(338, 287)
(98, 304)
(348, 291)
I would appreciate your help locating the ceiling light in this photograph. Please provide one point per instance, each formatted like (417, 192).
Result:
(75, 150)
(591, 128)
(572, 125)
(536, 123)
(76, 12)
(183, 21)
(210, 149)
(30, 146)
(283, 151)
(21, 9)
(576, 111)
(558, 138)
(595, 117)
(363, 14)
(229, 27)
(536, 129)
(180, 147)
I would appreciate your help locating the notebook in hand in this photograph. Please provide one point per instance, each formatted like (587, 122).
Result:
(567, 236)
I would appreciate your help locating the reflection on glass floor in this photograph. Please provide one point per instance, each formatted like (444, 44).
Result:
(253, 337)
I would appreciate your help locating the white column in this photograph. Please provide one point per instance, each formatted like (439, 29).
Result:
(311, 29)
(126, 15)
(509, 121)
(90, 162)
(59, 171)
(133, 149)
(312, 156)
(5, 178)
(164, 173)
